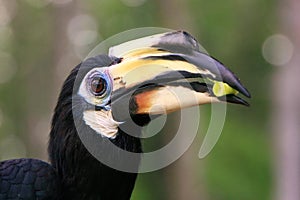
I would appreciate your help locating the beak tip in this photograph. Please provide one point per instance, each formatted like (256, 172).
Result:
(236, 100)
(246, 104)
(247, 93)
(242, 89)
(242, 102)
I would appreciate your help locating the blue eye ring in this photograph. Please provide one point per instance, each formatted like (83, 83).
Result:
(99, 84)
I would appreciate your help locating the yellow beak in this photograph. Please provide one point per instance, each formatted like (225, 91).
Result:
(169, 74)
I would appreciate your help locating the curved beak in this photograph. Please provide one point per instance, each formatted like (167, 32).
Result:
(168, 74)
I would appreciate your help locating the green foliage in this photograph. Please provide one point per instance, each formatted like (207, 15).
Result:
(239, 166)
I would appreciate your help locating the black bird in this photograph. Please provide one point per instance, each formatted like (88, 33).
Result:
(101, 95)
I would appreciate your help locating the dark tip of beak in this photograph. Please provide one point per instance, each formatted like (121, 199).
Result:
(231, 79)
(239, 87)
(235, 99)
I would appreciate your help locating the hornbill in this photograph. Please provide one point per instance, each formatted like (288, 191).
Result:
(94, 101)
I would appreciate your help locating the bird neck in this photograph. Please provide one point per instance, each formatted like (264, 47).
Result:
(82, 176)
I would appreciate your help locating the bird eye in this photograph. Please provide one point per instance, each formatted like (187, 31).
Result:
(98, 85)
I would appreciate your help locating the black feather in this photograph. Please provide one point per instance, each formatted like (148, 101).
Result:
(28, 179)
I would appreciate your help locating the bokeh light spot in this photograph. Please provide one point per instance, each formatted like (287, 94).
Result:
(82, 32)
(277, 49)
(78, 24)
(85, 37)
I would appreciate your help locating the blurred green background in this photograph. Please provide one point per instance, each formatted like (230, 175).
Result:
(42, 40)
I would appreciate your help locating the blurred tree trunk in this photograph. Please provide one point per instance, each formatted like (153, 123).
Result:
(45, 94)
(286, 121)
(182, 177)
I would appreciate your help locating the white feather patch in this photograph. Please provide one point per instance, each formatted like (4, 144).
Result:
(102, 122)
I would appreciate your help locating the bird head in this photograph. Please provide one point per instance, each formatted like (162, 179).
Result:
(136, 81)
(161, 74)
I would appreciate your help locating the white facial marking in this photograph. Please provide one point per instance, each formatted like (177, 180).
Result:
(102, 122)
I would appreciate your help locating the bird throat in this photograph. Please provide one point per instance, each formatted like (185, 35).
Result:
(102, 122)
